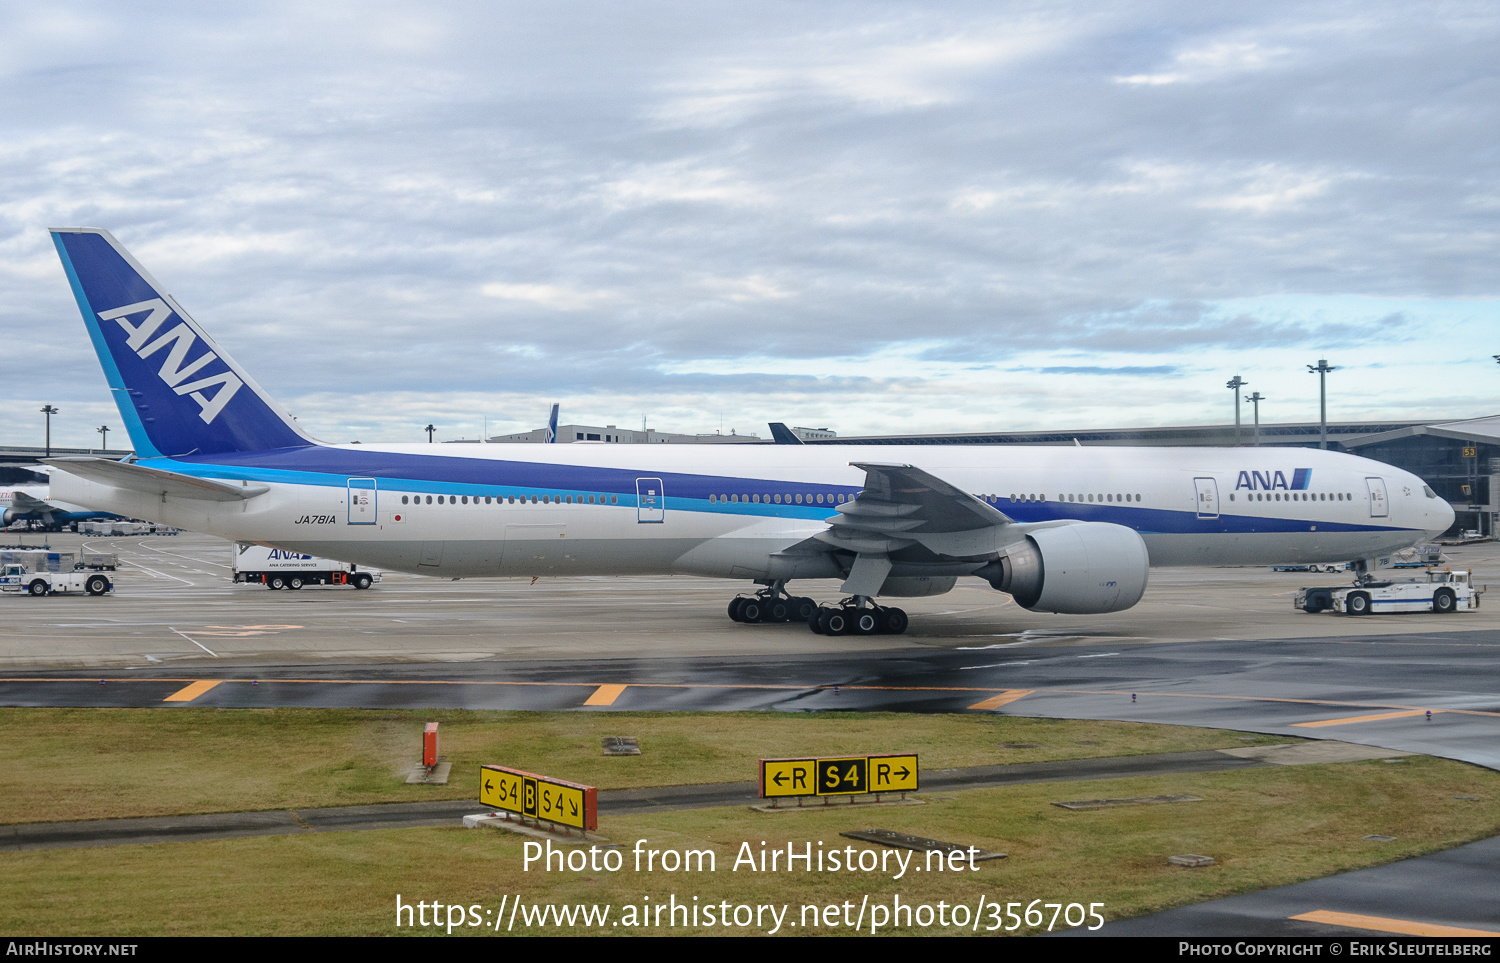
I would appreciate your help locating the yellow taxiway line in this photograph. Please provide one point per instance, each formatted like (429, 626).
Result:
(1003, 699)
(1381, 924)
(1350, 720)
(605, 695)
(193, 691)
(1121, 693)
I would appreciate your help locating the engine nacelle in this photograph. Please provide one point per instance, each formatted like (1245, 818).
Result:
(1083, 568)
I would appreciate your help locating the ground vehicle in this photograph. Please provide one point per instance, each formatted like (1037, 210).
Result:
(277, 569)
(15, 578)
(1441, 592)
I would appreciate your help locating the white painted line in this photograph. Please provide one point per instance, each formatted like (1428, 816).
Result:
(162, 574)
(196, 642)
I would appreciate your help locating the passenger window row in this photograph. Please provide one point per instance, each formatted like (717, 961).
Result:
(512, 499)
(796, 499)
(1297, 496)
(1106, 497)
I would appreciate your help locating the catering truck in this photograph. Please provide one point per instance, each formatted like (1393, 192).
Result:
(277, 568)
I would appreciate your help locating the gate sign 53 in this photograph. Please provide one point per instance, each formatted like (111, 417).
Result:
(540, 797)
(837, 776)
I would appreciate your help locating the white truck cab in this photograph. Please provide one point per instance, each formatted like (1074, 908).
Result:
(1442, 592)
(15, 579)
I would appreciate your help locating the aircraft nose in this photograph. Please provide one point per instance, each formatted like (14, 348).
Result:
(1439, 517)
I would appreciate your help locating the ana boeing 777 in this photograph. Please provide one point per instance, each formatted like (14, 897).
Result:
(1061, 529)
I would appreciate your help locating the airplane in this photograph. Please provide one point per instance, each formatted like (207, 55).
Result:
(1061, 529)
(34, 504)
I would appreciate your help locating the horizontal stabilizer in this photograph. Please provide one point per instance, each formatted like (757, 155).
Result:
(154, 481)
(22, 502)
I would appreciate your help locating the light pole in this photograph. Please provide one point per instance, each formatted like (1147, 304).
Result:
(49, 411)
(103, 431)
(1256, 399)
(430, 429)
(1322, 372)
(1235, 384)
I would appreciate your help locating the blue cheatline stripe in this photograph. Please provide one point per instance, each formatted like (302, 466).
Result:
(401, 472)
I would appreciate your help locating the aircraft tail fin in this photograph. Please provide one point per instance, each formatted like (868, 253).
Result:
(784, 435)
(178, 392)
(552, 425)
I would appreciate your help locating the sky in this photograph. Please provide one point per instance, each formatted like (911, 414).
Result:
(878, 218)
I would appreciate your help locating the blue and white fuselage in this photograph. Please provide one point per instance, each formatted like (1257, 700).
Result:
(215, 454)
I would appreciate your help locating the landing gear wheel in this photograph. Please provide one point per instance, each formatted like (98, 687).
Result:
(294, 583)
(865, 621)
(837, 622)
(1358, 604)
(362, 581)
(803, 609)
(778, 610)
(818, 621)
(895, 621)
(275, 582)
(751, 610)
(96, 585)
(37, 588)
(1444, 602)
(734, 608)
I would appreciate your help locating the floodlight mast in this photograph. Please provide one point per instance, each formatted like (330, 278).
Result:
(1322, 369)
(1235, 384)
(430, 429)
(49, 411)
(1256, 399)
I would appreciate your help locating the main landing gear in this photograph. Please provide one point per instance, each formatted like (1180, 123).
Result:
(771, 604)
(858, 616)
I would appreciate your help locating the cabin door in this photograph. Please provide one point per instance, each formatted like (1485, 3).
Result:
(1208, 497)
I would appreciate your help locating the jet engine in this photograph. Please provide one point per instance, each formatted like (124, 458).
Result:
(1081, 568)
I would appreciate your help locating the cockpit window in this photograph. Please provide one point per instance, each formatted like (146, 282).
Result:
(1427, 490)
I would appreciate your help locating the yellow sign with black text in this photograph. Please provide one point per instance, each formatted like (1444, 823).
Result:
(893, 773)
(541, 797)
(837, 776)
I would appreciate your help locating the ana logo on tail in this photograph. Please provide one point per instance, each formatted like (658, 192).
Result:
(173, 370)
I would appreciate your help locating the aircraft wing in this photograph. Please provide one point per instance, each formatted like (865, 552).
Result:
(901, 505)
(154, 481)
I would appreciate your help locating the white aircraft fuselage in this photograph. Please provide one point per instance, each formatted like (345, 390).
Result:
(1068, 529)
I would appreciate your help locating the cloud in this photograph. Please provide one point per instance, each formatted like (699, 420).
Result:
(1214, 60)
(888, 218)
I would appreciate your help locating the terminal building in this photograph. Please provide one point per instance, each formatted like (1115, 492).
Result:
(611, 435)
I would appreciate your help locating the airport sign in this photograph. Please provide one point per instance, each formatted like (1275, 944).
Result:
(540, 797)
(838, 776)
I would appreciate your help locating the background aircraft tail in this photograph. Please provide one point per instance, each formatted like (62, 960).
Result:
(552, 425)
(178, 392)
